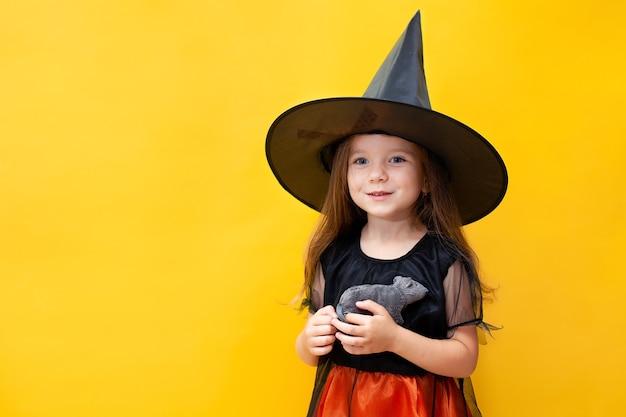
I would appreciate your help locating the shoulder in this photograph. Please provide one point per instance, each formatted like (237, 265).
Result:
(439, 250)
(340, 247)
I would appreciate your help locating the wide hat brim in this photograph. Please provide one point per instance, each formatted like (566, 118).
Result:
(296, 138)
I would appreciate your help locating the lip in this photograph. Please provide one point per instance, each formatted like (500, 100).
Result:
(379, 195)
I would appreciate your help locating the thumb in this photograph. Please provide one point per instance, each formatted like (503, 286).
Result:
(373, 307)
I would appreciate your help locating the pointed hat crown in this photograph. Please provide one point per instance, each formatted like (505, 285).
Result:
(401, 76)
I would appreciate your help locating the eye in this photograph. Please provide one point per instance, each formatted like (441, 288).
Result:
(360, 161)
(397, 160)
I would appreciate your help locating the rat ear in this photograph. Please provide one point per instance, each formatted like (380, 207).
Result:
(400, 281)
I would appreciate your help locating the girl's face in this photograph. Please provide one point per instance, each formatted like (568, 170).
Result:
(386, 176)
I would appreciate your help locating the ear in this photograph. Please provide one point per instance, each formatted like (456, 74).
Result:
(425, 185)
(403, 282)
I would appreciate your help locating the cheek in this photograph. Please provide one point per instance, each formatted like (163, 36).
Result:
(354, 184)
(352, 179)
(414, 182)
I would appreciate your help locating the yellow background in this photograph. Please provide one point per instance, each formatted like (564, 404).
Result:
(146, 251)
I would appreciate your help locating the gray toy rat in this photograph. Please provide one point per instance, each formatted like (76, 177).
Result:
(394, 297)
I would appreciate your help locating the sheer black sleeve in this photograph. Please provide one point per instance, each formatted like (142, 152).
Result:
(314, 299)
(463, 298)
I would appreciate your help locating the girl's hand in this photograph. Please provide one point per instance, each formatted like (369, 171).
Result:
(364, 334)
(319, 334)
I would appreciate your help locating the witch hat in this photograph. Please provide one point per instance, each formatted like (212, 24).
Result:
(396, 103)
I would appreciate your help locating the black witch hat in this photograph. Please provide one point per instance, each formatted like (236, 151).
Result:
(396, 103)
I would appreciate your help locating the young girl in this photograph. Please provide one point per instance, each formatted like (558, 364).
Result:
(395, 182)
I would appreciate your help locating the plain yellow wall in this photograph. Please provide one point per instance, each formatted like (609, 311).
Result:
(146, 251)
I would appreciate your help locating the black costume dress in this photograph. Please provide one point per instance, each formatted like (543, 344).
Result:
(355, 385)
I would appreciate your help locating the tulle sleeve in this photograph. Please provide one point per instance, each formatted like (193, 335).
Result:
(314, 299)
(463, 298)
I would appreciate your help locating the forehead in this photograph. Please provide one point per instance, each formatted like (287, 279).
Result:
(383, 142)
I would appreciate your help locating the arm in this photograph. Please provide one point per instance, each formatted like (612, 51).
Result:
(456, 356)
(318, 336)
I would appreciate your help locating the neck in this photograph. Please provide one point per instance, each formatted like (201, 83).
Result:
(386, 230)
(389, 240)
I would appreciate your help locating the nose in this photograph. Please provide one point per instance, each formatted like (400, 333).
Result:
(377, 173)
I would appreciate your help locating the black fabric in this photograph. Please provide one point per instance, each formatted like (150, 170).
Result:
(323, 369)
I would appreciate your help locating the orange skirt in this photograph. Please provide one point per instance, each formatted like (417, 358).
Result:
(352, 393)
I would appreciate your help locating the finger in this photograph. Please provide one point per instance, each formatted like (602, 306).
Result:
(313, 330)
(349, 341)
(372, 306)
(322, 330)
(356, 319)
(346, 328)
(322, 341)
(322, 350)
(328, 310)
(321, 320)
(323, 317)
(356, 350)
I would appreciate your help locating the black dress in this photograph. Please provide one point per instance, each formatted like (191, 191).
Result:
(453, 300)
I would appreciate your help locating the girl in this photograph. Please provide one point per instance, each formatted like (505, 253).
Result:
(397, 181)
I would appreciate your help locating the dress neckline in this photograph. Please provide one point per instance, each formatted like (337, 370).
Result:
(399, 258)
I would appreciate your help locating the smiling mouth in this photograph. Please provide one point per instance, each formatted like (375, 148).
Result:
(378, 194)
